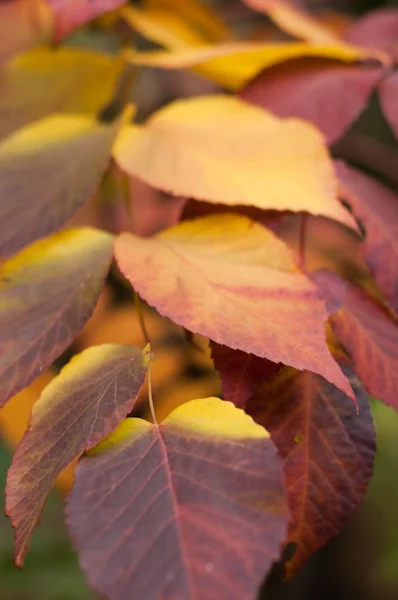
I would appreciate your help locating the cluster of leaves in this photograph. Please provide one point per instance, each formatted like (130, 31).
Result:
(296, 290)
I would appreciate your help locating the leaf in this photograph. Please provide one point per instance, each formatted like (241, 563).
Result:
(371, 338)
(376, 29)
(222, 150)
(47, 293)
(228, 278)
(193, 508)
(55, 81)
(162, 27)
(377, 207)
(240, 373)
(294, 21)
(327, 451)
(388, 95)
(14, 420)
(199, 15)
(234, 64)
(80, 407)
(23, 24)
(316, 90)
(49, 169)
(70, 14)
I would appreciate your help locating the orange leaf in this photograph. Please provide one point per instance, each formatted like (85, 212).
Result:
(228, 278)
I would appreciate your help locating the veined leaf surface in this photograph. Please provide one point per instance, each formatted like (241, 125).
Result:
(226, 151)
(229, 279)
(327, 450)
(388, 95)
(190, 509)
(80, 407)
(47, 293)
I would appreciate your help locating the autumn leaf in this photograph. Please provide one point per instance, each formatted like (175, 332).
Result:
(49, 169)
(192, 508)
(371, 338)
(14, 421)
(80, 407)
(47, 293)
(55, 81)
(376, 29)
(200, 16)
(377, 207)
(70, 14)
(23, 25)
(327, 451)
(388, 96)
(234, 64)
(228, 278)
(174, 24)
(294, 21)
(240, 373)
(316, 90)
(223, 150)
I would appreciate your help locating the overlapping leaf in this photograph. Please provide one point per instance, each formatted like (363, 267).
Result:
(234, 64)
(48, 170)
(376, 29)
(223, 150)
(316, 90)
(80, 407)
(388, 95)
(230, 279)
(70, 14)
(23, 24)
(371, 338)
(47, 293)
(45, 81)
(377, 207)
(191, 509)
(327, 451)
(240, 373)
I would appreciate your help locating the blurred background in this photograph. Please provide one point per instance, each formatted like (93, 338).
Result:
(361, 562)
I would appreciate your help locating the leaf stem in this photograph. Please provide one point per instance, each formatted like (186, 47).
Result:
(150, 397)
(138, 306)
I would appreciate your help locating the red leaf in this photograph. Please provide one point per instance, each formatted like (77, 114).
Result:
(70, 14)
(377, 207)
(388, 95)
(48, 292)
(377, 29)
(191, 509)
(81, 406)
(371, 338)
(329, 94)
(240, 373)
(327, 449)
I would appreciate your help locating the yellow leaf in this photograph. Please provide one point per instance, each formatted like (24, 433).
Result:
(295, 22)
(165, 28)
(234, 64)
(45, 81)
(199, 16)
(222, 150)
